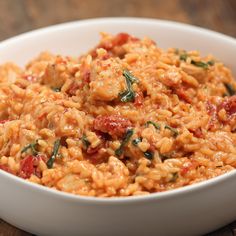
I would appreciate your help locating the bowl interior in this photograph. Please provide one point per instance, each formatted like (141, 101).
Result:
(79, 212)
(77, 37)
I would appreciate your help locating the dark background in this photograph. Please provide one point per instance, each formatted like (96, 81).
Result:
(18, 16)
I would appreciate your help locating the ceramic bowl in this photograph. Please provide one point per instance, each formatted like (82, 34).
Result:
(191, 210)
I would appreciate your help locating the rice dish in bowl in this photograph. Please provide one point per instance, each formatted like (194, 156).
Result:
(127, 118)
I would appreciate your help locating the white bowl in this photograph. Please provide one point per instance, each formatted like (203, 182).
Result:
(191, 210)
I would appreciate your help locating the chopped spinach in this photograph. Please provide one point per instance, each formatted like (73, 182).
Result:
(126, 139)
(173, 130)
(230, 89)
(149, 155)
(55, 153)
(85, 141)
(175, 176)
(128, 95)
(56, 89)
(211, 63)
(32, 147)
(201, 64)
(156, 125)
(136, 141)
(164, 156)
(183, 57)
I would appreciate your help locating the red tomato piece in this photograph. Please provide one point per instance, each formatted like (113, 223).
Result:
(5, 168)
(212, 111)
(138, 101)
(197, 133)
(73, 88)
(115, 125)
(229, 104)
(30, 78)
(3, 121)
(120, 39)
(27, 167)
(181, 92)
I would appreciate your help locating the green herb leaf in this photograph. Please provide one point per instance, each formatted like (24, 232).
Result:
(32, 147)
(173, 130)
(128, 95)
(219, 166)
(230, 89)
(211, 63)
(149, 155)
(56, 89)
(126, 139)
(202, 64)
(26, 148)
(183, 57)
(136, 141)
(176, 51)
(55, 154)
(85, 141)
(174, 177)
(164, 157)
(157, 126)
(130, 77)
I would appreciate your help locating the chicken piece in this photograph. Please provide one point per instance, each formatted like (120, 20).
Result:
(107, 79)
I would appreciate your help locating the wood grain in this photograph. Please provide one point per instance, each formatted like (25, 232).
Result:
(18, 16)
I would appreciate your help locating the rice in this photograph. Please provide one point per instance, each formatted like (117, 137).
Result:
(127, 118)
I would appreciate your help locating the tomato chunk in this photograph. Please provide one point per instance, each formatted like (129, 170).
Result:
(5, 168)
(27, 167)
(138, 101)
(3, 121)
(114, 125)
(120, 39)
(229, 104)
(29, 164)
(197, 133)
(212, 111)
(181, 92)
(30, 78)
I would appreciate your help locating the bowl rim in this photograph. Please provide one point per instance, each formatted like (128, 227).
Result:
(173, 193)
(118, 20)
(126, 199)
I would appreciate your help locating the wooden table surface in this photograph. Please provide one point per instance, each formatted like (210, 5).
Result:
(18, 16)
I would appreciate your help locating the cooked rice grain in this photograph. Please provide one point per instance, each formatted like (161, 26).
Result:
(181, 114)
